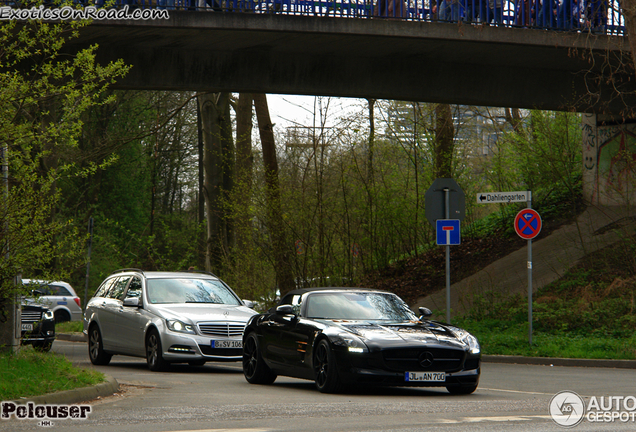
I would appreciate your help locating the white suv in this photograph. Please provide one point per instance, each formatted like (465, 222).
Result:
(58, 296)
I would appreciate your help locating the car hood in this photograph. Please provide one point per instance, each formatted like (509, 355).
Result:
(399, 333)
(199, 312)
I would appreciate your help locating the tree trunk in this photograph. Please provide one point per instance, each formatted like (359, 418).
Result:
(513, 117)
(244, 170)
(202, 249)
(371, 179)
(284, 275)
(444, 141)
(213, 116)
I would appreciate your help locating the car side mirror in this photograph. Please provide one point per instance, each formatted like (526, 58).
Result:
(249, 303)
(131, 301)
(285, 310)
(425, 313)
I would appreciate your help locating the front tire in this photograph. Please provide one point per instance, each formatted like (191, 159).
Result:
(254, 367)
(154, 356)
(96, 348)
(325, 369)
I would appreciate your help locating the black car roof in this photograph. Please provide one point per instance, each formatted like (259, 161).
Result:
(302, 291)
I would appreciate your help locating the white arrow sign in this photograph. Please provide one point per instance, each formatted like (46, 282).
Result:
(503, 197)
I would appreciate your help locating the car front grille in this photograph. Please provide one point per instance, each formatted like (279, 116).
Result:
(423, 359)
(31, 316)
(225, 329)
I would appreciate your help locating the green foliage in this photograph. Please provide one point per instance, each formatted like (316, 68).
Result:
(44, 96)
(589, 313)
(69, 327)
(498, 337)
(32, 373)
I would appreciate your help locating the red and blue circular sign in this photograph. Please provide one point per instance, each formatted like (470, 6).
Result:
(528, 224)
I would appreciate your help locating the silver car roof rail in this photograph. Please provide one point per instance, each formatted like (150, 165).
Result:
(127, 270)
(202, 271)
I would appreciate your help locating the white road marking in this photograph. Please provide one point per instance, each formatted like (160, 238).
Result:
(494, 419)
(223, 430)
(516, 391)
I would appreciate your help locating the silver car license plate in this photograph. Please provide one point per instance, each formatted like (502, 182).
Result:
(425, 376)
(27, 327)
(227, 344)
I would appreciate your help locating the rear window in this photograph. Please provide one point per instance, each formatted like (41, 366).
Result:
(58, 290)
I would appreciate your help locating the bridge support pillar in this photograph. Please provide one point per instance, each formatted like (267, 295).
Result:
(609, 159)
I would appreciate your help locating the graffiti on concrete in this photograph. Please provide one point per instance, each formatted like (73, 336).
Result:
(616, 161)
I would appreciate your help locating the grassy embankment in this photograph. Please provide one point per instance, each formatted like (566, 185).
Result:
(588, 313)
(32, 373)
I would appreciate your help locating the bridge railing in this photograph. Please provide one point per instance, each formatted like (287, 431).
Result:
(596, 16)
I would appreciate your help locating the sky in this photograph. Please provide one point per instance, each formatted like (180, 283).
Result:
(290, 110)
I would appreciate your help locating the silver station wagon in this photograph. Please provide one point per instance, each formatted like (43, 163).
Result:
(166, 317)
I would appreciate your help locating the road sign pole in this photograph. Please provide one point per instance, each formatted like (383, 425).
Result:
(448, 296)
(530, 279)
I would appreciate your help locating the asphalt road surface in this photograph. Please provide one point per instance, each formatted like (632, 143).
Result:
(216, 397)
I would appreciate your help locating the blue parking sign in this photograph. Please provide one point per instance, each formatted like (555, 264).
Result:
(448, 232)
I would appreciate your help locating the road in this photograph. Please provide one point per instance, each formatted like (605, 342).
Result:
(216, 397)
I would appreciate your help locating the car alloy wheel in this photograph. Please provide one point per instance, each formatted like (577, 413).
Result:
(325, 368)
(154, 358)
(254, 368)
(96, 348)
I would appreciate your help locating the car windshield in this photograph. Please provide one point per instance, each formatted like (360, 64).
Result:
(189, 291)
(358, 306)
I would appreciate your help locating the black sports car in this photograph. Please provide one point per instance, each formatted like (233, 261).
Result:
(344, 336)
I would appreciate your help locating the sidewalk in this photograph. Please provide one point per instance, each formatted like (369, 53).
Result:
(552, 256)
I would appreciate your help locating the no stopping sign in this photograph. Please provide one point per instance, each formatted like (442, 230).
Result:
(528, 224)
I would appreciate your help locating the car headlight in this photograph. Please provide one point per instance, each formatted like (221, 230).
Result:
(48, 315)
(180, 327)
(473, 344)
(352, 343)
(468, 339)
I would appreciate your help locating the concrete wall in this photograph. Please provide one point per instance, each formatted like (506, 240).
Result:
(609, 160)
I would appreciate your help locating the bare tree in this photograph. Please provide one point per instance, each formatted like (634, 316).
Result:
(218, 169)
(280, 244)
(444, 139)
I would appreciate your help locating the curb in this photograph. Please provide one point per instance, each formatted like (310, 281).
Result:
(73, 337)
(76, 395)
(555, 361)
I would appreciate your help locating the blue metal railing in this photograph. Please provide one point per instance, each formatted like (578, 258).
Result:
(596, 16)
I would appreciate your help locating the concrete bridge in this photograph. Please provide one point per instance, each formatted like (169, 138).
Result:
(370, 58)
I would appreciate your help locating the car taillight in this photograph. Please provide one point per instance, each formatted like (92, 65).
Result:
(77, 300)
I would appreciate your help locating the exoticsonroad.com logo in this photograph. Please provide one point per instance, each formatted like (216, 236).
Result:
(45, 413)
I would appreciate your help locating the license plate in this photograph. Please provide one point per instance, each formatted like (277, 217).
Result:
(227, 344)
(425, 376)
(27, 327)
